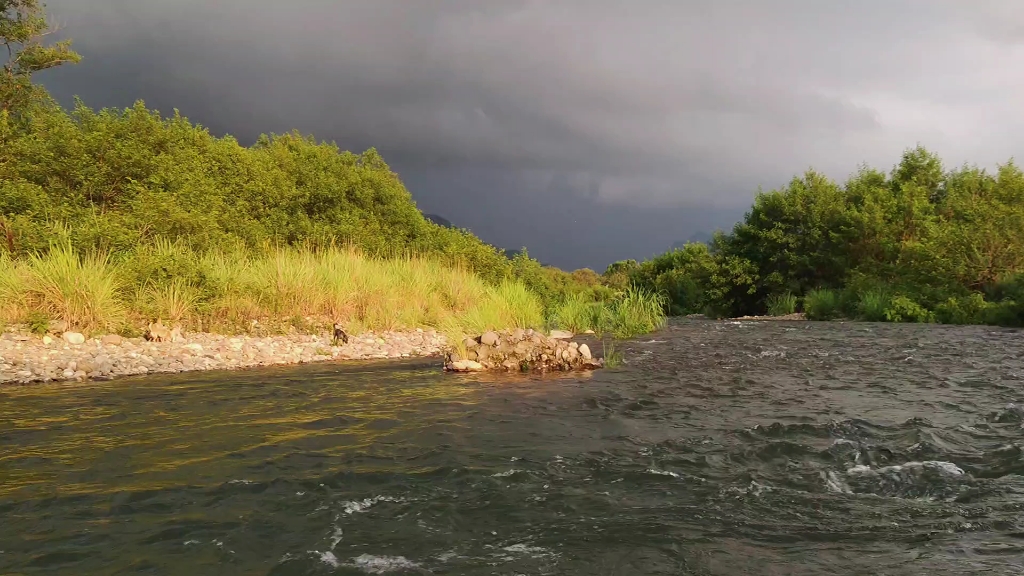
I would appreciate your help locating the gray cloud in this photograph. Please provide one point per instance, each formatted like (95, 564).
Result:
(643, 108)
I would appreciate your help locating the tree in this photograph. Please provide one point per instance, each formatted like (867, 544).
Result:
(23, 26)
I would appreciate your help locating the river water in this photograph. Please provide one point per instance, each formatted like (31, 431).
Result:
(717, 448)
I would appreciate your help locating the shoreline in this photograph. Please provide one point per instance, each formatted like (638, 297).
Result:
(26, 358)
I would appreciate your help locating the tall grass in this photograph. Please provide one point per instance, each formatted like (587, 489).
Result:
(873, 304)
(781, 304)
(84, 290)
(635, 311)
(227, 291)
(821, 304)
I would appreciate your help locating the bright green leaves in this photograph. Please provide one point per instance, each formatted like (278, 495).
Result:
(23, 27)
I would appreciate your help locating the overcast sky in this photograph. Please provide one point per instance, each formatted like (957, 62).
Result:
(587, 131)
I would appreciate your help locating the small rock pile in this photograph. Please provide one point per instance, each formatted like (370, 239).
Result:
(522, 350)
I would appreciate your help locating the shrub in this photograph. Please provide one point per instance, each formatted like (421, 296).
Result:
(964, 310)
(903, 309)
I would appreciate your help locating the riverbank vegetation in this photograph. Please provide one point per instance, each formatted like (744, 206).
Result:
(917, 244)
(110, 219)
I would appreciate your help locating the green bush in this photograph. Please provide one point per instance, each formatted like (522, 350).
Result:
(971, 309)
(821, 304)
(903, 309)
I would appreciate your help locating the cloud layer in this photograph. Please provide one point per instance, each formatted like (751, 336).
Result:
(677, 106)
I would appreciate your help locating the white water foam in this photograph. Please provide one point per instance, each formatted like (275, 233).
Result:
(365, 504)
(936, 465)
(833, 483)
(663, 472)
(505, 474)
(383, 564)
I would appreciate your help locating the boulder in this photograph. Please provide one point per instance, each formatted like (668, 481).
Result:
(74, 338)
(561, 334)
(489, 339)
(465, 366)
(585, 352)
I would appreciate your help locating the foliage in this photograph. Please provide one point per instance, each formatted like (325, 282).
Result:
(632, 312)
(903, 309)
(873, 305)
(781, 304)
(23, 26)
(821, 304)
(612, 357)
(243, 291)
(915, 244)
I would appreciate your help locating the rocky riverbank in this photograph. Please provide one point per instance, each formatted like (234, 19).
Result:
(29, 358)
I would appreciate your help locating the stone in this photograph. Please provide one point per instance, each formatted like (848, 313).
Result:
(489, 339)
(585, 352)
(58, 327)
(561, 334)
(466, 366)
(111, 340)
(74, 338)
(47, 340)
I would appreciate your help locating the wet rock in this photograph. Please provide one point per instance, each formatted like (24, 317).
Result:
(466, 366)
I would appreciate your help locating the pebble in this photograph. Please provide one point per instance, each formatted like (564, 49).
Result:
(25, 358)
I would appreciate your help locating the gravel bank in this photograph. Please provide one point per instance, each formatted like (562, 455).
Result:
(27, 358)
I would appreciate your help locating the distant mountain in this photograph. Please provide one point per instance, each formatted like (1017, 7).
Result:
(695, 237)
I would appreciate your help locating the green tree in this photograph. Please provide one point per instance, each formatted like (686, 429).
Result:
(23, 26)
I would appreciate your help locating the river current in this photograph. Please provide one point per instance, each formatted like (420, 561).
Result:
(717, 448)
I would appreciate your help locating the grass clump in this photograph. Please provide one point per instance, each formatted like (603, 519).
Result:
(781, 304)
(634, 311)
(873, 304)
(821, 304)
(84, 290)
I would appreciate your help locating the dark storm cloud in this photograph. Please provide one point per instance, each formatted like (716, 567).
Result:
(659, 112)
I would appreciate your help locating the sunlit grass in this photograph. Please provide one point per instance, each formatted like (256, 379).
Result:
(84, 290)
(632, 313)
(234, 290)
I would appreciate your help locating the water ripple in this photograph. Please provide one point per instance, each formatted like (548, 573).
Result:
(718, 448)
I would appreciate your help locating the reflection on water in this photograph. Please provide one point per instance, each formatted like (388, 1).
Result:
(720, 448)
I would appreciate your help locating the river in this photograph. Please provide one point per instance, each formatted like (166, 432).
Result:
(717, 448)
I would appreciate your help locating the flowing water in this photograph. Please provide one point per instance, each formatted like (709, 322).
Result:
(718, 448)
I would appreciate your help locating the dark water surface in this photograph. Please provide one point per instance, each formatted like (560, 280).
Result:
(720, 448)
